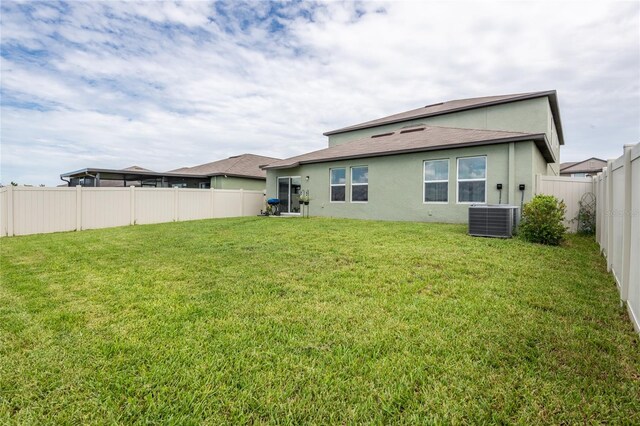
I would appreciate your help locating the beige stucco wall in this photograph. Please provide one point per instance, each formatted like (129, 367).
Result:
(396, 183)
(232, 182)
(530, 116)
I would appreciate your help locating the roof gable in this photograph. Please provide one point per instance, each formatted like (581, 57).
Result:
(245, 165)
(460, 105)
(592, 164)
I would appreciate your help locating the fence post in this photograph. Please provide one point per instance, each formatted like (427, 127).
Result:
(609, 215)
(241, 202)
(213, 202)
(78, 208)
(596, 190)
(175, 204)
(132, 202)
(10, 211)
(626, 225)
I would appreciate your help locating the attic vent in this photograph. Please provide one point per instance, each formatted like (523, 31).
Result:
(411, 126)
(432, 105)
(382, 134)
(419, 129)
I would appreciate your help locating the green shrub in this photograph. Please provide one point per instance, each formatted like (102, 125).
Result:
(542, 220)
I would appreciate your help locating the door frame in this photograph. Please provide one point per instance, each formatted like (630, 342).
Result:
(289, 212)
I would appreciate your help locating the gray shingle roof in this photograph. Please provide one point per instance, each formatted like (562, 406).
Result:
(567, 164)
(590, 165)
(459, 105)
(245, 165)
(414, 139)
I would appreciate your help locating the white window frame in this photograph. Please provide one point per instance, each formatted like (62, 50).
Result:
(358, 184)
(425, 181)
(458, 180)
(331, 185)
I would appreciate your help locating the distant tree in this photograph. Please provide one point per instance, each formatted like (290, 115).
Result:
(13, 183)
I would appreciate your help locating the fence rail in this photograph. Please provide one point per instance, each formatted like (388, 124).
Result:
(26, 210)
(618, 225)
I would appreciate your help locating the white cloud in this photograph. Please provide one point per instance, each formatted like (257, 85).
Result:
(168, 84)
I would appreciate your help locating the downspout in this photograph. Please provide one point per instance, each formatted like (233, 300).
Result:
(64, 180)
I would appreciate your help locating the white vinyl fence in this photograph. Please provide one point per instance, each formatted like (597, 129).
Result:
(27, 210)
(618, 225)
(569, 189)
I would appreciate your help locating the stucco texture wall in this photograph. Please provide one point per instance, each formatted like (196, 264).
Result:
(232, 182)
(529, 116)
(396, 183)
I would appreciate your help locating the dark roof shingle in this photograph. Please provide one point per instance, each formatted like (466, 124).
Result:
(240, 165)
(590, 165)
(416, 139)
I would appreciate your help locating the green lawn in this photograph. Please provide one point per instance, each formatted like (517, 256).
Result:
(264, 320)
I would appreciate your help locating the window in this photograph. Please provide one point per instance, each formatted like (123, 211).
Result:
(338, 184)
(436, 181)
(360, 184)
(472, 180)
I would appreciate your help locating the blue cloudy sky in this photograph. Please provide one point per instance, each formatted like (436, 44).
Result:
(170, 84)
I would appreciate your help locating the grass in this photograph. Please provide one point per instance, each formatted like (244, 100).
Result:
(262, 320)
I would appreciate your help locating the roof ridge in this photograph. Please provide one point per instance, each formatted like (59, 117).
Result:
(237, 160)
(584, 161)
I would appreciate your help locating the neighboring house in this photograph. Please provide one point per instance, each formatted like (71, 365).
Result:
(237, 172)
(585, 168)
(428, 164)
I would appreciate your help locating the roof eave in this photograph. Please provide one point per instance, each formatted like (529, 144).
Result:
(88, 171)
(555, 111)
(237, 175)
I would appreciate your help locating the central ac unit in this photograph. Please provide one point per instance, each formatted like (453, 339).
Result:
(497, 220)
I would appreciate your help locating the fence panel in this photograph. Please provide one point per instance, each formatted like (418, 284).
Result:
(618, 220)
(253, 202)
(43, 210)
(194, 204)
(4, 195)
(105, 207)
(568, 189)
(634, 249)
(155, 205)
(26, 210)
(227, 203)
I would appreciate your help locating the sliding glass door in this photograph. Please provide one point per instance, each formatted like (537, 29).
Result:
(289, 194)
